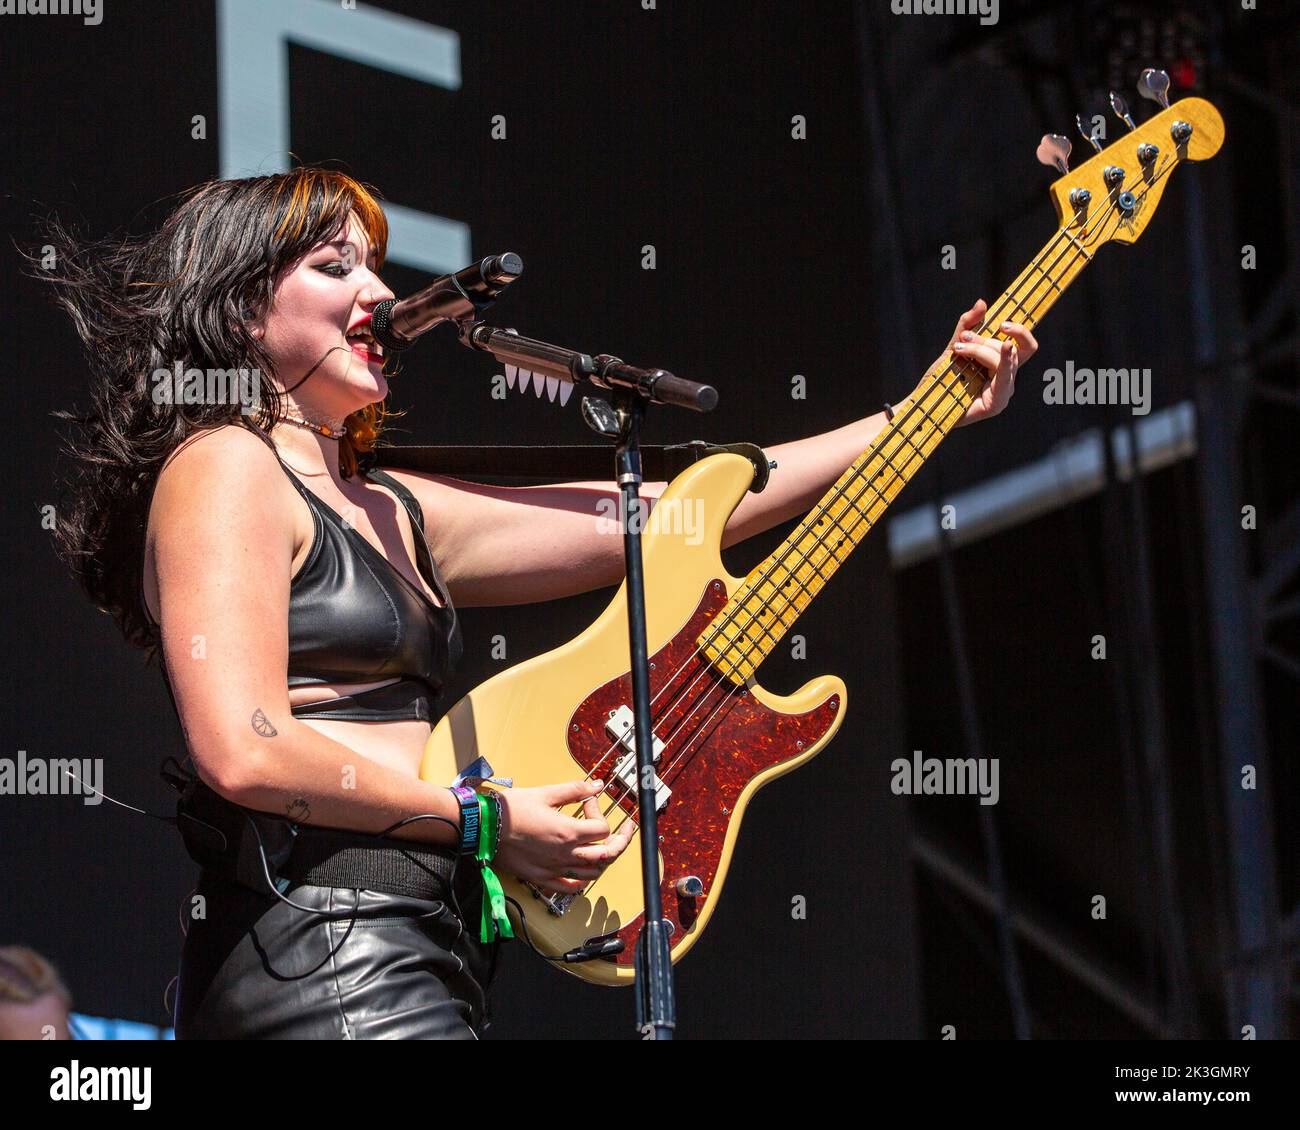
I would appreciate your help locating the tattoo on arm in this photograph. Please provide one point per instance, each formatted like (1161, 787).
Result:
(262, 724)
(299, 810)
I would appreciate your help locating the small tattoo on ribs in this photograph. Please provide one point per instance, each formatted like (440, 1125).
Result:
(299, 810)
(262, 724)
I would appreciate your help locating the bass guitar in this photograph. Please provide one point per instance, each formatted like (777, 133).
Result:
(719, 736)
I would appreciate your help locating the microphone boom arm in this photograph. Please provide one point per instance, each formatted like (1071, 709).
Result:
(603, 370)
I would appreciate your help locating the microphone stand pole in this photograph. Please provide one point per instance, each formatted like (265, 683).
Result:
(632, 390)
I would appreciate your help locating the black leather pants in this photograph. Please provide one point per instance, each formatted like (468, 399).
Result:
(398, 968)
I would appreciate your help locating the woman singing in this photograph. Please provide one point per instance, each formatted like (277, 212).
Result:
(303, 607)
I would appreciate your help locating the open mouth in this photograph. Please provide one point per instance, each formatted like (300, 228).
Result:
(365, 346)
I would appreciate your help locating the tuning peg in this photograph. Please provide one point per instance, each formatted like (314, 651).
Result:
(1120, 107)
(1154, 84)
(1054, 151)
(1078, 121)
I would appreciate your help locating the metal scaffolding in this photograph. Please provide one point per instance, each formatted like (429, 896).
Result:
(1250, 571)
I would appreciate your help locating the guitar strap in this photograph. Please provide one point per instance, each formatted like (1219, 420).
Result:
(559, 462)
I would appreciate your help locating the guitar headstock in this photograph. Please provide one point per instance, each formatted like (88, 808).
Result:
(1113, 195)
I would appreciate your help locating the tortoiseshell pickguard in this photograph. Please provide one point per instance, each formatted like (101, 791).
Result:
(707, 761)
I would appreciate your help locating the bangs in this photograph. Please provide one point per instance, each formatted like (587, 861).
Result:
(317, 203)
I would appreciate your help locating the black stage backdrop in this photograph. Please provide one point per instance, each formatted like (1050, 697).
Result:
(625, 128)
(822, 188)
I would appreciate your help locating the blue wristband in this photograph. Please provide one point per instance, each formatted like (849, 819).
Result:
(470, 822)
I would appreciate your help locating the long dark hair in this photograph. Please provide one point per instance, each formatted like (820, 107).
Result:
(178, 297)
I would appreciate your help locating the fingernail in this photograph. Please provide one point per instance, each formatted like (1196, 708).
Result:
(958, 348)
(966, 335)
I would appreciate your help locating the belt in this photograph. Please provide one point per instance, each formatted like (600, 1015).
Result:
(336, 858)
(220, 836)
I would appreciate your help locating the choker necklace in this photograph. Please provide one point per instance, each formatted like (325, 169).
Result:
(319, 429)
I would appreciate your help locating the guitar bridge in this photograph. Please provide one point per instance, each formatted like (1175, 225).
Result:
(555, 904)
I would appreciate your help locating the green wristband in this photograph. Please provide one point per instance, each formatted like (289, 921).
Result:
(495, 921)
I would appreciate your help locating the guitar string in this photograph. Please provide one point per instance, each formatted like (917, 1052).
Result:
(1011, 297)
(945, 391)
(951, 368)
(685, 752)
(675, 766)
(888, 462)
(935, 381)
(867, 517)
(864, 522)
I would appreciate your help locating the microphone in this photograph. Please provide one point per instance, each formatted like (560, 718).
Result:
(396, 323)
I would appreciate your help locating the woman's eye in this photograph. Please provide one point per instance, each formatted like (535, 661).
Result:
(335, 269)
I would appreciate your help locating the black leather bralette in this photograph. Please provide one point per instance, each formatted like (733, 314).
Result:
(354, 618)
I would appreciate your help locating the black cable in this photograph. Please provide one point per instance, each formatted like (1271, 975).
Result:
(523, 925)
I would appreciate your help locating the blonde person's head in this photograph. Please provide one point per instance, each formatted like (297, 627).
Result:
(34, 1001)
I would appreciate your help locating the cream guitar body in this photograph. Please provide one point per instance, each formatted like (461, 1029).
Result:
(558, 717)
